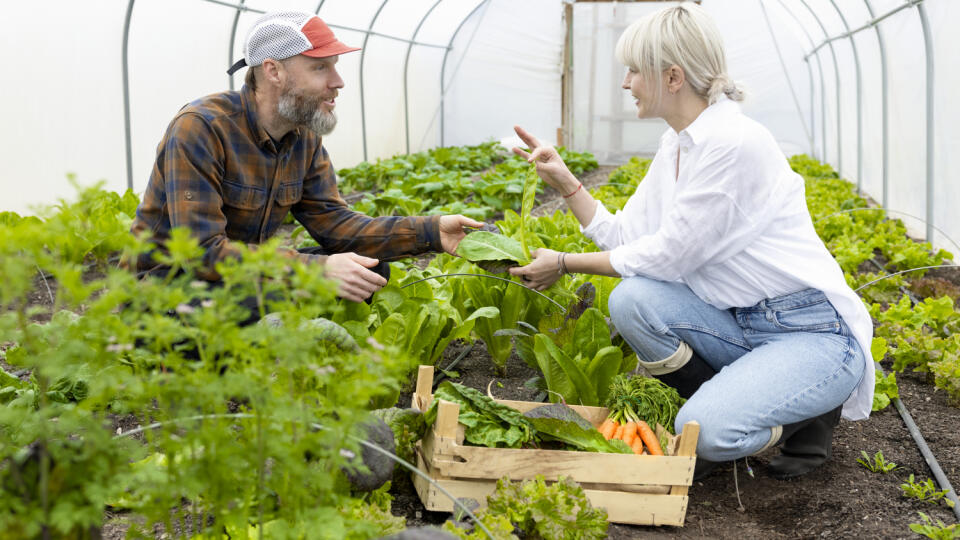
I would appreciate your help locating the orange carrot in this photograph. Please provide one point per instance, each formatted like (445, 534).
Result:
(649, 438)
(609, 429)
(604, 426)
(619, 433)
(637, 446)
(629, 432)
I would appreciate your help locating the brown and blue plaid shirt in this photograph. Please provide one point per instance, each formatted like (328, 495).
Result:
(220, 174)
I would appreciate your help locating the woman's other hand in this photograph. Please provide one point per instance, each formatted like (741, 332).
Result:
(550, 165)
(543, 272)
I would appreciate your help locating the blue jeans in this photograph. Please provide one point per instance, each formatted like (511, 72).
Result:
(783, 360)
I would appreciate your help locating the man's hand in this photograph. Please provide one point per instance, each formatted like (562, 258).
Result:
(451, 231)
(543, 272)
(356, 283)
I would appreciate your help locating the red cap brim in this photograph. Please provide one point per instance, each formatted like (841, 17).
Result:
(330, 49)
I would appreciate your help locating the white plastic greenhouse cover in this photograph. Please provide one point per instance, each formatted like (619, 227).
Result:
(502, 63)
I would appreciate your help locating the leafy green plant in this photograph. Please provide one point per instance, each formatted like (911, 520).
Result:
(885, 389)
(250, 420)
(487, 422)
(924, 491)
(935, 531)
(575, 354)
(555, 511)
(877, 464)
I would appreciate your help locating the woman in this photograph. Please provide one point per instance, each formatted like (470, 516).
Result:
(728, 294)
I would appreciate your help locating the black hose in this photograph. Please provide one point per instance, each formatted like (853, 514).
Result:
(938, 474)
(443, 371)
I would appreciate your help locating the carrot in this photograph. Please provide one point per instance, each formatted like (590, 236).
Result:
(637, 446)
(649, 438)
(619, 433)
(604, 427)
(610, 429)
(629, 432)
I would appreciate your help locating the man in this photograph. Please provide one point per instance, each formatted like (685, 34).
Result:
(231, 165)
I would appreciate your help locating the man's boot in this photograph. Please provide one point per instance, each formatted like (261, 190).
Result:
(806, 445)
(683, 370)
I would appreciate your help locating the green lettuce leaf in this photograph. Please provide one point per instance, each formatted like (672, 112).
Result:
(487, 246)
(570, 433)
(487, 422)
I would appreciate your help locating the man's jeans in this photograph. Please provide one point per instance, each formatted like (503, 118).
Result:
(783, 360)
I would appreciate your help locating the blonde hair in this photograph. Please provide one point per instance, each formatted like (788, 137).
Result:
(684, 36)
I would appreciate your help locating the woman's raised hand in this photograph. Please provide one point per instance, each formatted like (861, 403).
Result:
(550, 165)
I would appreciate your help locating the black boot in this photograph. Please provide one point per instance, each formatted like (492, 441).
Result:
(688, 378)
(806, 445)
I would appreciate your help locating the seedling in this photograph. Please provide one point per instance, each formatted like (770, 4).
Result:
(878, 464)
(936, 532)
(924, 491)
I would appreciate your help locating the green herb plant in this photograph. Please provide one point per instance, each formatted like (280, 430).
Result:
(877, 464)
(924, 491)
(935, 531)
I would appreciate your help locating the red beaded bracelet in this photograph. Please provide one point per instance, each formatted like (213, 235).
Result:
(574, 192)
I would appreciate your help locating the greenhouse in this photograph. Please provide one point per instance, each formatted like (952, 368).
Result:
(480, 269)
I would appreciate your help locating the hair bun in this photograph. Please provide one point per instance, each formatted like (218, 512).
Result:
(722, 84)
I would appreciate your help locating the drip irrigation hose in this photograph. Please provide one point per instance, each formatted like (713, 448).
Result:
(938, 474)
(443, 371)
(942, 481)
(563, 309)
(314, 425)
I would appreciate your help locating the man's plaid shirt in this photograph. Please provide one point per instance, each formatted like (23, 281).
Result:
(219, 173)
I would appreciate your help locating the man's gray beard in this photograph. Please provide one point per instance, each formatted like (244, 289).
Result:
(303, 111)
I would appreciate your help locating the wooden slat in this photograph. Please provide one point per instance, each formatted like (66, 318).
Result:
(424, 393)
(687, 447)
(640, 508)
(481, 462)
(447, 415)
(629, 488)
(621, 507)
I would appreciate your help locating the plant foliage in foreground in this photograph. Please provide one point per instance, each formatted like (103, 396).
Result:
(555, 511)
(236, 408)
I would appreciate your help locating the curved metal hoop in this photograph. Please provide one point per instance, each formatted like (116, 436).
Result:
(858, 289)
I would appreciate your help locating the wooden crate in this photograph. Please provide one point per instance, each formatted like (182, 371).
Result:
(635, 489)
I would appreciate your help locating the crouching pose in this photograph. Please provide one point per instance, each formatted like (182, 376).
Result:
(728, 293)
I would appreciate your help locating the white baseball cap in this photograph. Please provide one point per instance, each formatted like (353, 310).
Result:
(289, 33)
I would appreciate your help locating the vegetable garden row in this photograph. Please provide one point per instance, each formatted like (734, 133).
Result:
(149, 403)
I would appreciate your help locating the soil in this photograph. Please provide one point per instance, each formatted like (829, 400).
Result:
(841, 499)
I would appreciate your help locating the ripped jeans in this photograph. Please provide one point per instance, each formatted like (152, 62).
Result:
(778, 362)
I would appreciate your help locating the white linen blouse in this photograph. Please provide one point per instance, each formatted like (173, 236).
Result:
(731, 222)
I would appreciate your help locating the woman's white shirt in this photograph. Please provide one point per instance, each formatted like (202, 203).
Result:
(732, 224)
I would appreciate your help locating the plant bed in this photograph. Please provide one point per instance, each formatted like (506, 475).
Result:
(639, 490)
